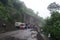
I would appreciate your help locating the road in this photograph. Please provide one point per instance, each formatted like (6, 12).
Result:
(21, 34)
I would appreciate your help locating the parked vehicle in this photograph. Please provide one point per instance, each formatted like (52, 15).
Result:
(17, 24)
(22, 26)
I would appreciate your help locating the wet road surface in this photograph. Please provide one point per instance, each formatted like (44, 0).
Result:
(26, 34)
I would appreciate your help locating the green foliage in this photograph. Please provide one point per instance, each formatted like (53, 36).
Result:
(7, 12)
(52, 25)
(11, 10)
(5, 2)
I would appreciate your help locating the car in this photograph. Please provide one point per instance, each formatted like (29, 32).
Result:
(22, 26)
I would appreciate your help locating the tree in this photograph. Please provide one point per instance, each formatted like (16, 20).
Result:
(53, 7)
(52, 26)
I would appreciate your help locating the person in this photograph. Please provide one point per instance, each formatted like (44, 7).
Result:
(34, 28)
(28, 25)
(49, 36)
(4, 26)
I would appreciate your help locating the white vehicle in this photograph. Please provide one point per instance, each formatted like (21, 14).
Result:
(20, 25)
(17, 23)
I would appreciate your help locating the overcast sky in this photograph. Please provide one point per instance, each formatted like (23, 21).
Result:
(40, 6)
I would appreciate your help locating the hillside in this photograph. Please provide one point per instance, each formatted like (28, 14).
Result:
(13, 10)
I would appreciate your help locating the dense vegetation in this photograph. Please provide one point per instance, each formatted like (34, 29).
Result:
(52, 26)
(13, 10)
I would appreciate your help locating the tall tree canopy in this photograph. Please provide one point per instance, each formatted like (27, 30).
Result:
(52, 26)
